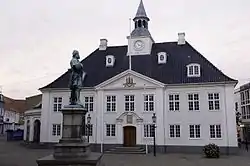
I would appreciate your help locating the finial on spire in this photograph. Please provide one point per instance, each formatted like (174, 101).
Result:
(141, 12)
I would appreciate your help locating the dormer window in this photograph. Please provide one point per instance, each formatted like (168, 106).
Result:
(193, 70)
(110, 61)
(162, 57)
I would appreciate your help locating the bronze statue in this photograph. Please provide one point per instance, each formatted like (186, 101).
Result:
(76, 79)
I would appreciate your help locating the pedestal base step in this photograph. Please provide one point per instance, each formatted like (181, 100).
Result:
(93, 159)
(127, 150)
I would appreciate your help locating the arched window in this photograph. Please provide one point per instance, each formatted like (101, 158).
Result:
(139, 24)
(193, 70)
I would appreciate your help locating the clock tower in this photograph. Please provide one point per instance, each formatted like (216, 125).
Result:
(140, 40)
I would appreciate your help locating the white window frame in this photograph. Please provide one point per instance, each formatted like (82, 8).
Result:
(57, 104)
(191, 72)
(165, 57)
(149, 105)
(148, 130)
(173, 102)
(215, 131)
(110, 64)
(195, 131)
(245, 104)
(213, 101)
(110, 130)
(56, 129)
(89, 105)
(174, 131)
(193, 102)
(130, 103)
(111, 104)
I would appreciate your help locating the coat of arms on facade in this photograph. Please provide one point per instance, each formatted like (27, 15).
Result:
(129, 82)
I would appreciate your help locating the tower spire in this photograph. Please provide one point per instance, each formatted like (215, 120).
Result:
(141, 12)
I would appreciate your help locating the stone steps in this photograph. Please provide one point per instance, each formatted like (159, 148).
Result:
(126, 150)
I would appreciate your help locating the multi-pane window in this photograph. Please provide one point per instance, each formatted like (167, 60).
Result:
(194, 131)
(245, 104)
(111, 103)
(148, 102)
(110, 130)
(174, 102)
(88, 130)
(149, 130)
(56, 129)
(89, 103)
(174, 131)
(57, 104)
(213, 101)
(215, 131)
(193, 70)
(129, 103)
(193, 102)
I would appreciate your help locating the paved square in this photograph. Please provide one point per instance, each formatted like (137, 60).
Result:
(12, 154)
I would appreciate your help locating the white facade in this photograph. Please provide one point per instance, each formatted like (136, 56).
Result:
(224, 116)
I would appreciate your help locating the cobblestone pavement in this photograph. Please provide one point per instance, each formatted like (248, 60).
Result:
(12, 154)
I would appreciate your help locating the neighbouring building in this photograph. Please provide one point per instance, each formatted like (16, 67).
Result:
(242, 105)
(13, 116)
(192, 99)
(32, 118)
(1, 114)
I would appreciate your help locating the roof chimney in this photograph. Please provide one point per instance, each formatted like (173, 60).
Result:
(103, 44)
(181, 38)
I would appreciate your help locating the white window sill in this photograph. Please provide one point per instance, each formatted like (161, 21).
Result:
(194, 110)
(215, 110)
(194, 138)
(174, 138)
(110, 112)
(216, 138)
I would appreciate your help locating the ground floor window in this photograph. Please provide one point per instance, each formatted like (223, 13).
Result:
(215, 131)
(88, 130)
(56, 129)
(110, 130)
(149, 130)
(194, 131)
(174, 131)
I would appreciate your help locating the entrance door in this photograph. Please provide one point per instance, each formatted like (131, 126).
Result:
(129, 136)
(37, 125)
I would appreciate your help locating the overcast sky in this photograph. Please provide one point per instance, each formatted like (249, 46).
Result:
(37, 37)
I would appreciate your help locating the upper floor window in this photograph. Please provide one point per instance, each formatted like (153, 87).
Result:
(57, 104)
(174, 102)
(193, 102)
(193, 70)
(148, 102)
(89, 103)
(213, 101)
(129, 103)
(111, 103)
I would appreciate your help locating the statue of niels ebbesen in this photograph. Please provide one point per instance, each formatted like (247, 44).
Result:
(76, 78)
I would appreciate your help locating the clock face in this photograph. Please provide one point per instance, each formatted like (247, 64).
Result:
(139, 45)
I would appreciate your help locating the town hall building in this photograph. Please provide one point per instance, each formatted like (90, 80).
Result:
(124, 86)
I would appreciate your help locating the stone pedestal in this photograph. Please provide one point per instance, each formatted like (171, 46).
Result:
(72, 150)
